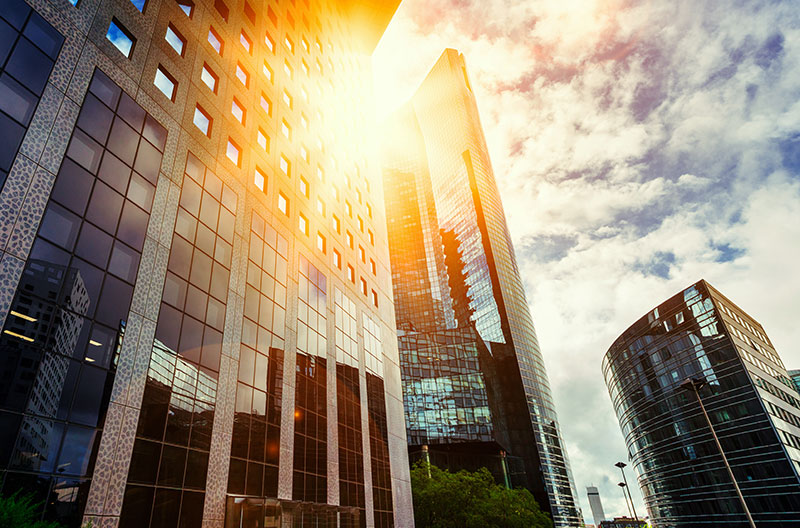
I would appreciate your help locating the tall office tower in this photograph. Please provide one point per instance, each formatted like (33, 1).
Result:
(475, 388)
(196, 320)
(598, 515)
(795, 375)
(701, 335)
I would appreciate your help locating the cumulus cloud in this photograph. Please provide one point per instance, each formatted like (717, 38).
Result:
(638, 146)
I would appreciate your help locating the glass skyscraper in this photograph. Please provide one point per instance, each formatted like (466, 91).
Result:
(475, 388)
(196, 317)
(751, 401)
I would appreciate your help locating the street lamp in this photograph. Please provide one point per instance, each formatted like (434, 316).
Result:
(694, 385)
(621, 465)
(628, 504)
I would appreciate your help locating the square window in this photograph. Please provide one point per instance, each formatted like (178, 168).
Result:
(363, 286)
(175, 40)
(303, 120)
(304, 43)
(337, 225)
(120, 37)
(242, 75)
(302, 223)
(267, 71)
(269, 42)
(286, 166)
(337, 259)
(375, 298)
(287, 69)
(202, 120)
(304, 66)
(360, 224)
(369, 210)
(304, 153)
(165, 82)
(362, 254)
(249, 12)
(266, 105)
(336, 193)
(287, 99)
(350, 242)
(304, 187)
(304, 94)
(283, 204)
(289, 44)
(287, 132)
(187, 6)
(263, 140)
(321, 242)
(209, 78)
(373, 266)
(234, 153)
(215, 40)
(351, 273)
(222, 9)
(371, 236)
(245, 41)
(238, 110)
(260, 179)
(348, 208)
(320, 207)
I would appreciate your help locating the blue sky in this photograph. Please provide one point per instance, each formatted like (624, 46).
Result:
(638, 147)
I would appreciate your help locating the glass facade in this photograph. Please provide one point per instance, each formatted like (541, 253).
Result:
(186, 338)
(750, 401)
(60, 341)
(473, 373)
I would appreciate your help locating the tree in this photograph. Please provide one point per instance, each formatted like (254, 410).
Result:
(19, 511)
(470, 500)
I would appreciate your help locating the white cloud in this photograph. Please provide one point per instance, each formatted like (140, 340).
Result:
(638, 147)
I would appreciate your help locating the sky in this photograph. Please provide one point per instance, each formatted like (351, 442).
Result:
(638, 147)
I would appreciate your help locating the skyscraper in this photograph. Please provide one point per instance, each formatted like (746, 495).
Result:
(699, 334)
(795, 375)
(196, 319)
(598, 515)
(475, 388)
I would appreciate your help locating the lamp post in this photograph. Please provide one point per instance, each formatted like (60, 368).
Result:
(693, 385)
(628, 504)
(622, 465)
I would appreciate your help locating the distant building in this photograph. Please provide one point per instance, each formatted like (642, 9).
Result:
(749, 397)
(596, 504)
(475, 389)
(795, 375)
(623, 522)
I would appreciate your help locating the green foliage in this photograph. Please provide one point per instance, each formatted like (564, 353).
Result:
(19, 511)
(470, 500)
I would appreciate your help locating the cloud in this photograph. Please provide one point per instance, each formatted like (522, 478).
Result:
(638, 147)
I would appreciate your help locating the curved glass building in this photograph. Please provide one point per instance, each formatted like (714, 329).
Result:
(751, 401)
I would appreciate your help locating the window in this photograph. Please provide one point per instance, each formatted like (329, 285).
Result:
(283, 204)
(209, 78)
(288, 43)
(302, 223)
(360, 224)
(304, 66)
(304, 187)
(267, 71)
(304, 94)
(242, 75)
(337, 226)
(215, 40)
(319, 45)
(303, 120)
(238, 110)
(287, 69)
(350, 242)
(286, 166)
(245, 41)
(304, 153)
(249, 12)
(348, 208)
(336, 193)
(320, 174)
(165, 82)
(371, 236)
(234, 153)
(369, 210)
(320, 207)
(266, 105)
(263, 140)
(120, 37)
(375, 298)
(351, 273)
(187, 6)
(373, 267)
(269, 42)
(304, 43)
(358, 194)
(362, 254)
(321, 243)
(363, 286)
(287, 99)
(202, 120)
(260, 179)
(337, 259)
(175, 40)
(222, 9)
(287, 132)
